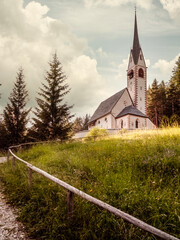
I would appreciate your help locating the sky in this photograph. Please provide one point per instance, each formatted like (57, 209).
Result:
(92, 39)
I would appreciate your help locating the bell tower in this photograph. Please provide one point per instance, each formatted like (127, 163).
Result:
(137, 73)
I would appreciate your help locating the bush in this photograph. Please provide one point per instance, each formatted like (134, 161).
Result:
(174, 120)
(165, 121)
(97, 133)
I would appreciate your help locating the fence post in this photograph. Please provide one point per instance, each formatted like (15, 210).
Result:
(30, 177)
(8, 155)
(20, 149)
(70, 204)
(13, 163)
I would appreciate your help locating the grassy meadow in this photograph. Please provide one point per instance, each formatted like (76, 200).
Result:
(137, 172)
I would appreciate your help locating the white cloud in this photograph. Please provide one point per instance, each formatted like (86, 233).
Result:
(86, 84)
(114, 3)
(165, 67)
(173, 8)
(28, 38)
(101, 53)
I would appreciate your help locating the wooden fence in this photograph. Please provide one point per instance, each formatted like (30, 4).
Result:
(72, 190)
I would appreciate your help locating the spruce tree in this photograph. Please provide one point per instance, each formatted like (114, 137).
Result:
(15, 113)
(173, 91)
(161, 100)
(152, 103)
(78, 124)
(86, 120)
(53, 117)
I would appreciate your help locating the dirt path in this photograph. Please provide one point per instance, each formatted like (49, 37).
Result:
(10, 228)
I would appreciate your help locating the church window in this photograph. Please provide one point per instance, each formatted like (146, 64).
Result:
(140, 88)
(140, 99)
(105, 119)
(141, 73)
(137, 123)
(121, 123)
(99, 122)
(140, 56)
(131, 74)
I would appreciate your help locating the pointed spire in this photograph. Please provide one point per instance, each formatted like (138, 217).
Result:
(136, 46)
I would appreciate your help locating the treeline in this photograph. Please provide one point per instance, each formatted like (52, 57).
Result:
(163, 100)
(52, 117)
(81, 123)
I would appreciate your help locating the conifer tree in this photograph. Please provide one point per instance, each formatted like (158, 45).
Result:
(15, 113)
(78, 124)
(173, 91)
(85, 122)
(152, 106)
(162, 100)
(53, 117)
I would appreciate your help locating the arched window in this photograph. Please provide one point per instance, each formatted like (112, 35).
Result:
(137, 123)
(121, 123)
(141, 73)
(131, 74)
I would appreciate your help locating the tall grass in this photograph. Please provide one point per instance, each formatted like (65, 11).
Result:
(137, 172)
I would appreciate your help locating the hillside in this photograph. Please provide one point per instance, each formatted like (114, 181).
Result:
(136, 172)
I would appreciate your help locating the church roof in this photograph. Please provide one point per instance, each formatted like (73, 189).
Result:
(136, 45)
(106, 106)
(132, 111)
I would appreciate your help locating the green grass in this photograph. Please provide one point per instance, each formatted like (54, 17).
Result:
(137, 172)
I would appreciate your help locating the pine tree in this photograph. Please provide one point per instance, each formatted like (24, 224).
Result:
(85, 122)
(15, 113)
(53, 117)
(161, 100)
(152, 103)
(78, 124)
(4, 137)
(173, 91)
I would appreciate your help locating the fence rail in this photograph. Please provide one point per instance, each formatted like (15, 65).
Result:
(72, 190)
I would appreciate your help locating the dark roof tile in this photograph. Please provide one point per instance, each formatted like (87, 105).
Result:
(136, 45)
(106, 106)
(132, 111)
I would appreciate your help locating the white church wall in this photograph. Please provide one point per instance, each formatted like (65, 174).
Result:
(123, 102)
(141, 95)
(104, 122)
(122, 122)
(131, 88)
(141, 122)
(150, 125)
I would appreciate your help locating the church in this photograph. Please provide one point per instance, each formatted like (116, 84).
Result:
(127, 108)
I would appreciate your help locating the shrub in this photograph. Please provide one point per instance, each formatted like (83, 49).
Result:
(97, 133)
(164, 121)
(174, 120)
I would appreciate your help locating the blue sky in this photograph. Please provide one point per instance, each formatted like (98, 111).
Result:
(92, 39)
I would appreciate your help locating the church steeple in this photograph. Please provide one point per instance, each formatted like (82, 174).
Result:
(137, 73)
(136, 46)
